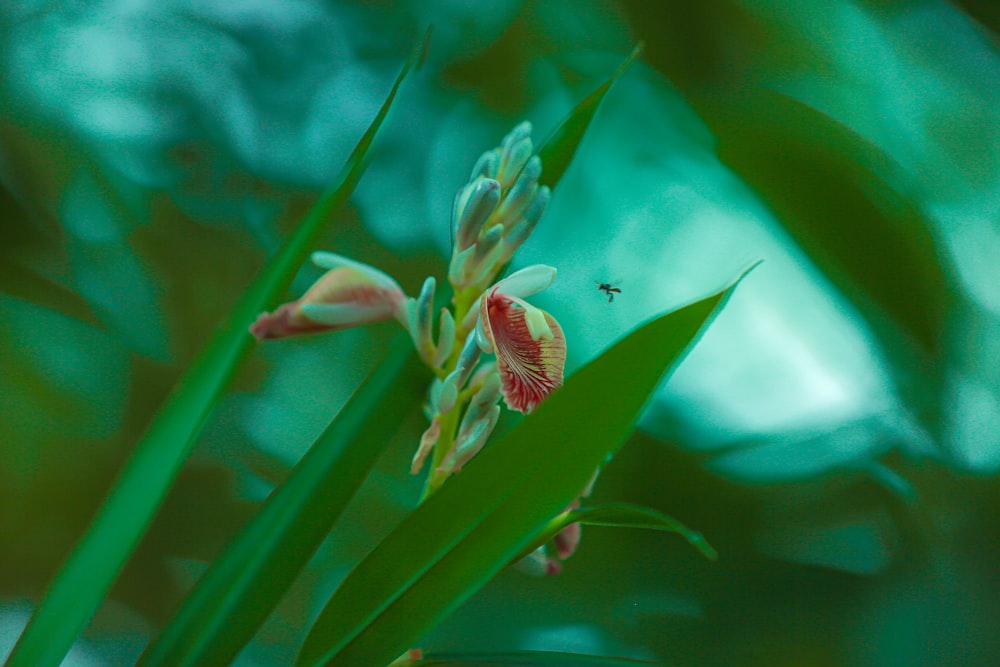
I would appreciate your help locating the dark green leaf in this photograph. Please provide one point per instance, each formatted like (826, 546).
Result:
(560, 147)
(450, 546)
(527, 659)
(622, 515)
(841, 199)
(95, 562)
(246, 582)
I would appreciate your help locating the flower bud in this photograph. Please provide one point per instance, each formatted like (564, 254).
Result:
(539, 564)
(473, 206)
(515, 149)
(448, 393)
(469, 444)
(468, 359)
(446, 338)
(516, 200)
(459, 266)
(484, 259)
(421, 316)
(537, 206)
(483, 402)
(512, 161)
(429, 438)
(487, 165)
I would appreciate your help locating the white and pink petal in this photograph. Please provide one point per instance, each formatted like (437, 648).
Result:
(529, 345)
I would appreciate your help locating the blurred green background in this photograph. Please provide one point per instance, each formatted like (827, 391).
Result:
(835, 435)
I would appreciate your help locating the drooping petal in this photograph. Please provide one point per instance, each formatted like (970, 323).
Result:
(531, 358)
(343, 297)
(330, 260)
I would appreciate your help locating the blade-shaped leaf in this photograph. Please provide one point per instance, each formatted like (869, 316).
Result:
(451, 545)
(621, 515)
(85, 577)
(246, 582)
(844, 202)
(527, 659)
(624, 515)
(560, 147)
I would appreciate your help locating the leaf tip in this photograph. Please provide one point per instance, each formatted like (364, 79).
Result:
(702, 545)
(423, 47)
(743, 274)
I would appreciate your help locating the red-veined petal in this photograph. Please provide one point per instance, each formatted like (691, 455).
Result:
(531, 366)
(343, 297)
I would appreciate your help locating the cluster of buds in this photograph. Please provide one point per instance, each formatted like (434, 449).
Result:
(497, 210)
(493, 214)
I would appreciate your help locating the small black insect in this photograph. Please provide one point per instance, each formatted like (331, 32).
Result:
(608, 289)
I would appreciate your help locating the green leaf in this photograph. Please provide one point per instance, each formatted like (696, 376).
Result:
(560, 147)
(621, 515)
(526, 659)
(85, 577)
(624, 515)
(246, 582)
(844, 201)
(451, 545)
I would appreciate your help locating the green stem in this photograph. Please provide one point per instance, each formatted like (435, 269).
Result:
(462, 301)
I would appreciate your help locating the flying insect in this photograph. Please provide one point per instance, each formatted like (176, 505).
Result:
(608, 289)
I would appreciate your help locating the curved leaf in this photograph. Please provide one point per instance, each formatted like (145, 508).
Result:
(841, 198)
(621, 515)
(560, 147)
(451, 545)
(95, 562)
(246, 582)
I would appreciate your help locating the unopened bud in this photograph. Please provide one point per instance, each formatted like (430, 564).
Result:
(469, 444)
(487, 165)
(429, 438)
(483, 404)
(538, 564)
(468, 358)
(421, 316)
(458, 267)
(512, 161)
(473, 206)
(446, 338)
(516, 199)
(484, 259)
(537, 206)
(448, 393)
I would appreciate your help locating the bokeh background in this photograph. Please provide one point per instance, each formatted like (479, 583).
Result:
(835, 435)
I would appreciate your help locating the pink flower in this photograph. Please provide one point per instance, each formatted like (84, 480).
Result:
(529, 344)
(349, 294)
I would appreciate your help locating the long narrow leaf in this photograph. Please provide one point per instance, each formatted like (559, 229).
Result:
(621, 515)
(560, 147)
(450, 546)
(95, 562)
(246, 582)
(529, 659)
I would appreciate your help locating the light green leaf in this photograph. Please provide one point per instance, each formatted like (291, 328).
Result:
(560, 147)
(451, 545)
(95, 562)
(246, 582)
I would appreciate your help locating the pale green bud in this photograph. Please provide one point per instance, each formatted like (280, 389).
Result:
(446, 338)
(473, 206)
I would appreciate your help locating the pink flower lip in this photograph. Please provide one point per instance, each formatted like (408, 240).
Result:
(530, 348)
(343, 297)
